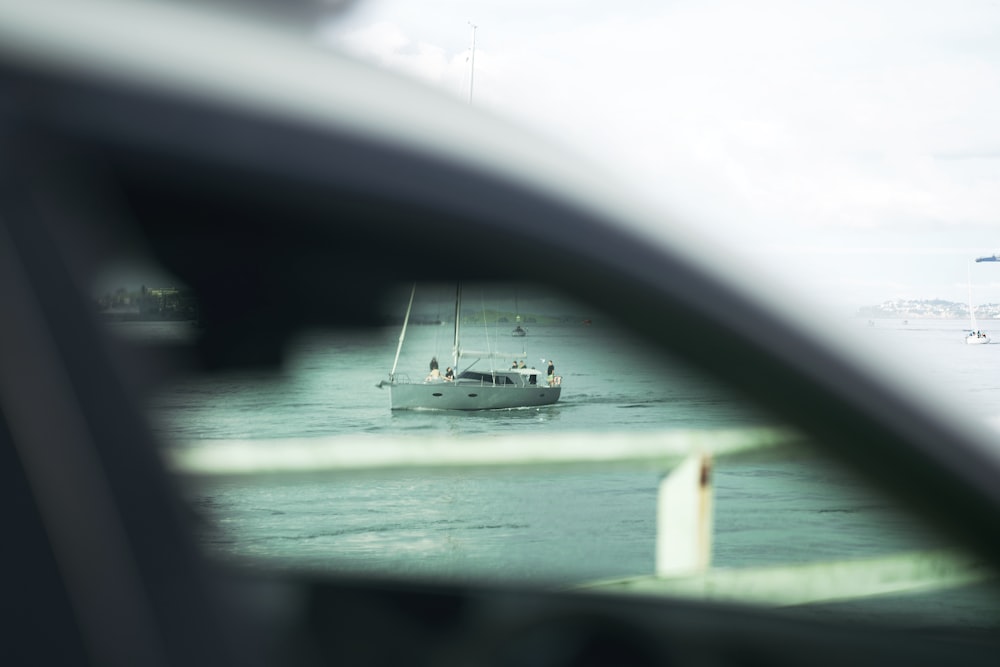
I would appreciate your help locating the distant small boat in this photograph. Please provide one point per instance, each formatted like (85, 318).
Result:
(519, 331)
(977, 338)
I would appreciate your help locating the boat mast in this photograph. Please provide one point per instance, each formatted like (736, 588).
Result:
(972, 313)
(402, 334)
(455, 352)
(472, 58)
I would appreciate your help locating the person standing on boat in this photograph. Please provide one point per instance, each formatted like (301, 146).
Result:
(552, 372)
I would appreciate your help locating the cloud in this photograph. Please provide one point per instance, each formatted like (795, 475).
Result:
(759, 123)
(388, 45)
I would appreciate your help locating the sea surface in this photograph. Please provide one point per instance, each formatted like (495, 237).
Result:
(549, 529)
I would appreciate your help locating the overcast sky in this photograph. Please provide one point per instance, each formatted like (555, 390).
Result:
(853, 144)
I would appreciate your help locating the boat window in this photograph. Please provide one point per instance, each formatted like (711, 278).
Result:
(312, 469)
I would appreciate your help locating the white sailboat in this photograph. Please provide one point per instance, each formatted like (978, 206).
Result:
(975, 336)
(469, 389)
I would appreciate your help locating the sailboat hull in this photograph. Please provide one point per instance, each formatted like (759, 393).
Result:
(977, 340)
(460, 396)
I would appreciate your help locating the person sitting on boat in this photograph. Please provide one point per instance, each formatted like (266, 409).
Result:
(449, 375)
(522, 365)
(435, 374)
(514, 365)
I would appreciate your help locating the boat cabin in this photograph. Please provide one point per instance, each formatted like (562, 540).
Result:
(514, 377)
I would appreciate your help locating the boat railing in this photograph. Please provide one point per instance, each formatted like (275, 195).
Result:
(684, 524)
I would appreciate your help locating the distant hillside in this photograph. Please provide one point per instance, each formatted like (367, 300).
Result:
(928, 309)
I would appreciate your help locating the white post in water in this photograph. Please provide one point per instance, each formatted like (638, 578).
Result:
(684, 519)
(402, 334)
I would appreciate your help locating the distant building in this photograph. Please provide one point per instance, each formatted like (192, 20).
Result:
(167, 303)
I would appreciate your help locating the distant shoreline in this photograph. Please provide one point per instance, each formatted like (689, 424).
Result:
(927, 309)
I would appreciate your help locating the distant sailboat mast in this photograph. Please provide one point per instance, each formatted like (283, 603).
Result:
(472, 58)
(455, 352)
(972, 311)
(975, 337)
